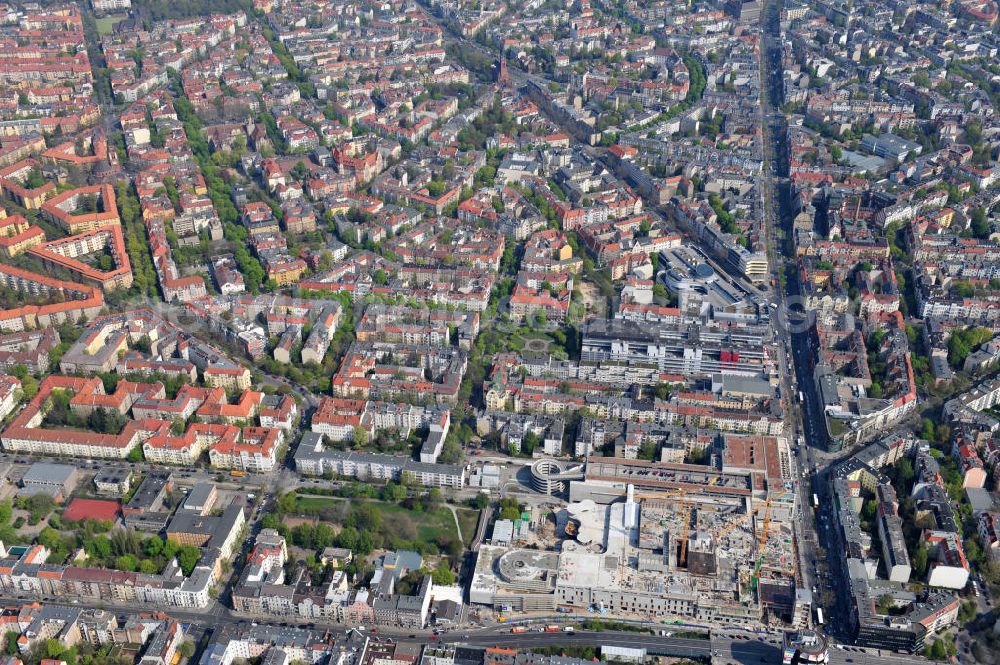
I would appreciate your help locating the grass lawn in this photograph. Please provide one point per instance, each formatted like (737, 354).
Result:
(429, 525)
(106, 25)
(529, 339)
(468, 519)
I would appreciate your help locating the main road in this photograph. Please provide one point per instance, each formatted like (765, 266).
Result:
(723, 649)
(815, 530)
(654, 644)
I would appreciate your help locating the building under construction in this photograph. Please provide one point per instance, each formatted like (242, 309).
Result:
(685, 554)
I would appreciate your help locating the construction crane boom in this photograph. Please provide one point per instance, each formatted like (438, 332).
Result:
(719, 534)
(664, 494)
(680, 491)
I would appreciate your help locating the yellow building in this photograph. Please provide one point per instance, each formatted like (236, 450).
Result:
(18, 236)
(229, 379)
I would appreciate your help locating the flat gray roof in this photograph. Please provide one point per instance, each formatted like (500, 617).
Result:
(47, 473)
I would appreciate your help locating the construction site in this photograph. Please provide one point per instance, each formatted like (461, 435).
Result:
(688, 553)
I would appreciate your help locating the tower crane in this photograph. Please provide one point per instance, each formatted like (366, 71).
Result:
(767, 526)
(682, 558)
(762, 543)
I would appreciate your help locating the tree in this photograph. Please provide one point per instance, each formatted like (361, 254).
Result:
(508, 262)
(186, 649)
(919, 562)
(481, 501)
(885, 603)
(509, 513)
(967, 611)
(34, 180)
(868, 510)
(104, 421)
(529, 442)
(963, 342)
(54, 648)
(11, 646)
(127, 562)
(435, 188)
(359, 437)
(903, 473)
(152, 546)
(29, 386)
(50, 538)
(393, 492)
(942, 435)
(98, 548)
(990, 570)
(433, 499)
(541, 319)
(486, 175)
(366, 543)
(38, 505)
(980, 224)
(443, 575)
(187, 558)
(348, 537)
(662, 390)
(927, 429)
(253, 272)
(451, 453)
(89, 203)
(125, 542)
(366, 518)
(963, 289)
(288, 503)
